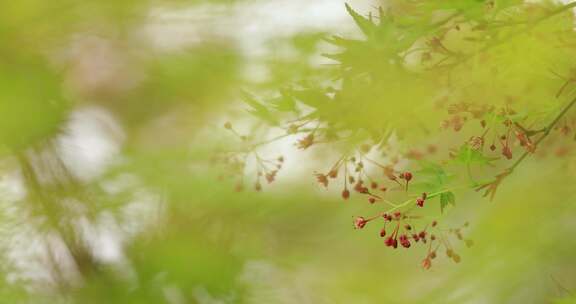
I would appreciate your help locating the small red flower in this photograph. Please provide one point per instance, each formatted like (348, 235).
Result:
(322, 179)
(306, 142)
(407, 176)
(422, 235)
(383, 232)
(360, 222)
(359, 187)
(420, 202)
(391, 242)
(345, 194)
(404, 241)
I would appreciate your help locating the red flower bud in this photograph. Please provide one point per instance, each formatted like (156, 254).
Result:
(345, 194)
(420, 202)
(407, 176)
(383, 232)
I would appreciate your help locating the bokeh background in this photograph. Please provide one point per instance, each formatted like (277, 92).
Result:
(110, 112)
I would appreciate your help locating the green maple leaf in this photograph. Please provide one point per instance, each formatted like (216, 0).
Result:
(284, 103)
(258, 109)
(365, 24)
(447, 198)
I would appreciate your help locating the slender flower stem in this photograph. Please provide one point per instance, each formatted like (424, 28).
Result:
(530, 26)
(492, 186)
(547, 131)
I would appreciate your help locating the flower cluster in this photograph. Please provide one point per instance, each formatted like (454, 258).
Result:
(403, 232)
(235, 161)
(357, 174)
(501, 127)
(400, 221)
(356, 178)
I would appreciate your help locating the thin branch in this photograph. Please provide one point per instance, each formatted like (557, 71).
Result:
(547, 131)
(530, 26)
(492, 186)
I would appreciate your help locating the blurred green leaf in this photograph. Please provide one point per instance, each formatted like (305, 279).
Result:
(447, 198)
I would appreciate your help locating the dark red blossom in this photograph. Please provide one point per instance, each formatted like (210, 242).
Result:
(404, 241)
(420, 202)
(391, 242)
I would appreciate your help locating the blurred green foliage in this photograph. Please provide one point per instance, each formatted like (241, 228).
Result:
(161, 223)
